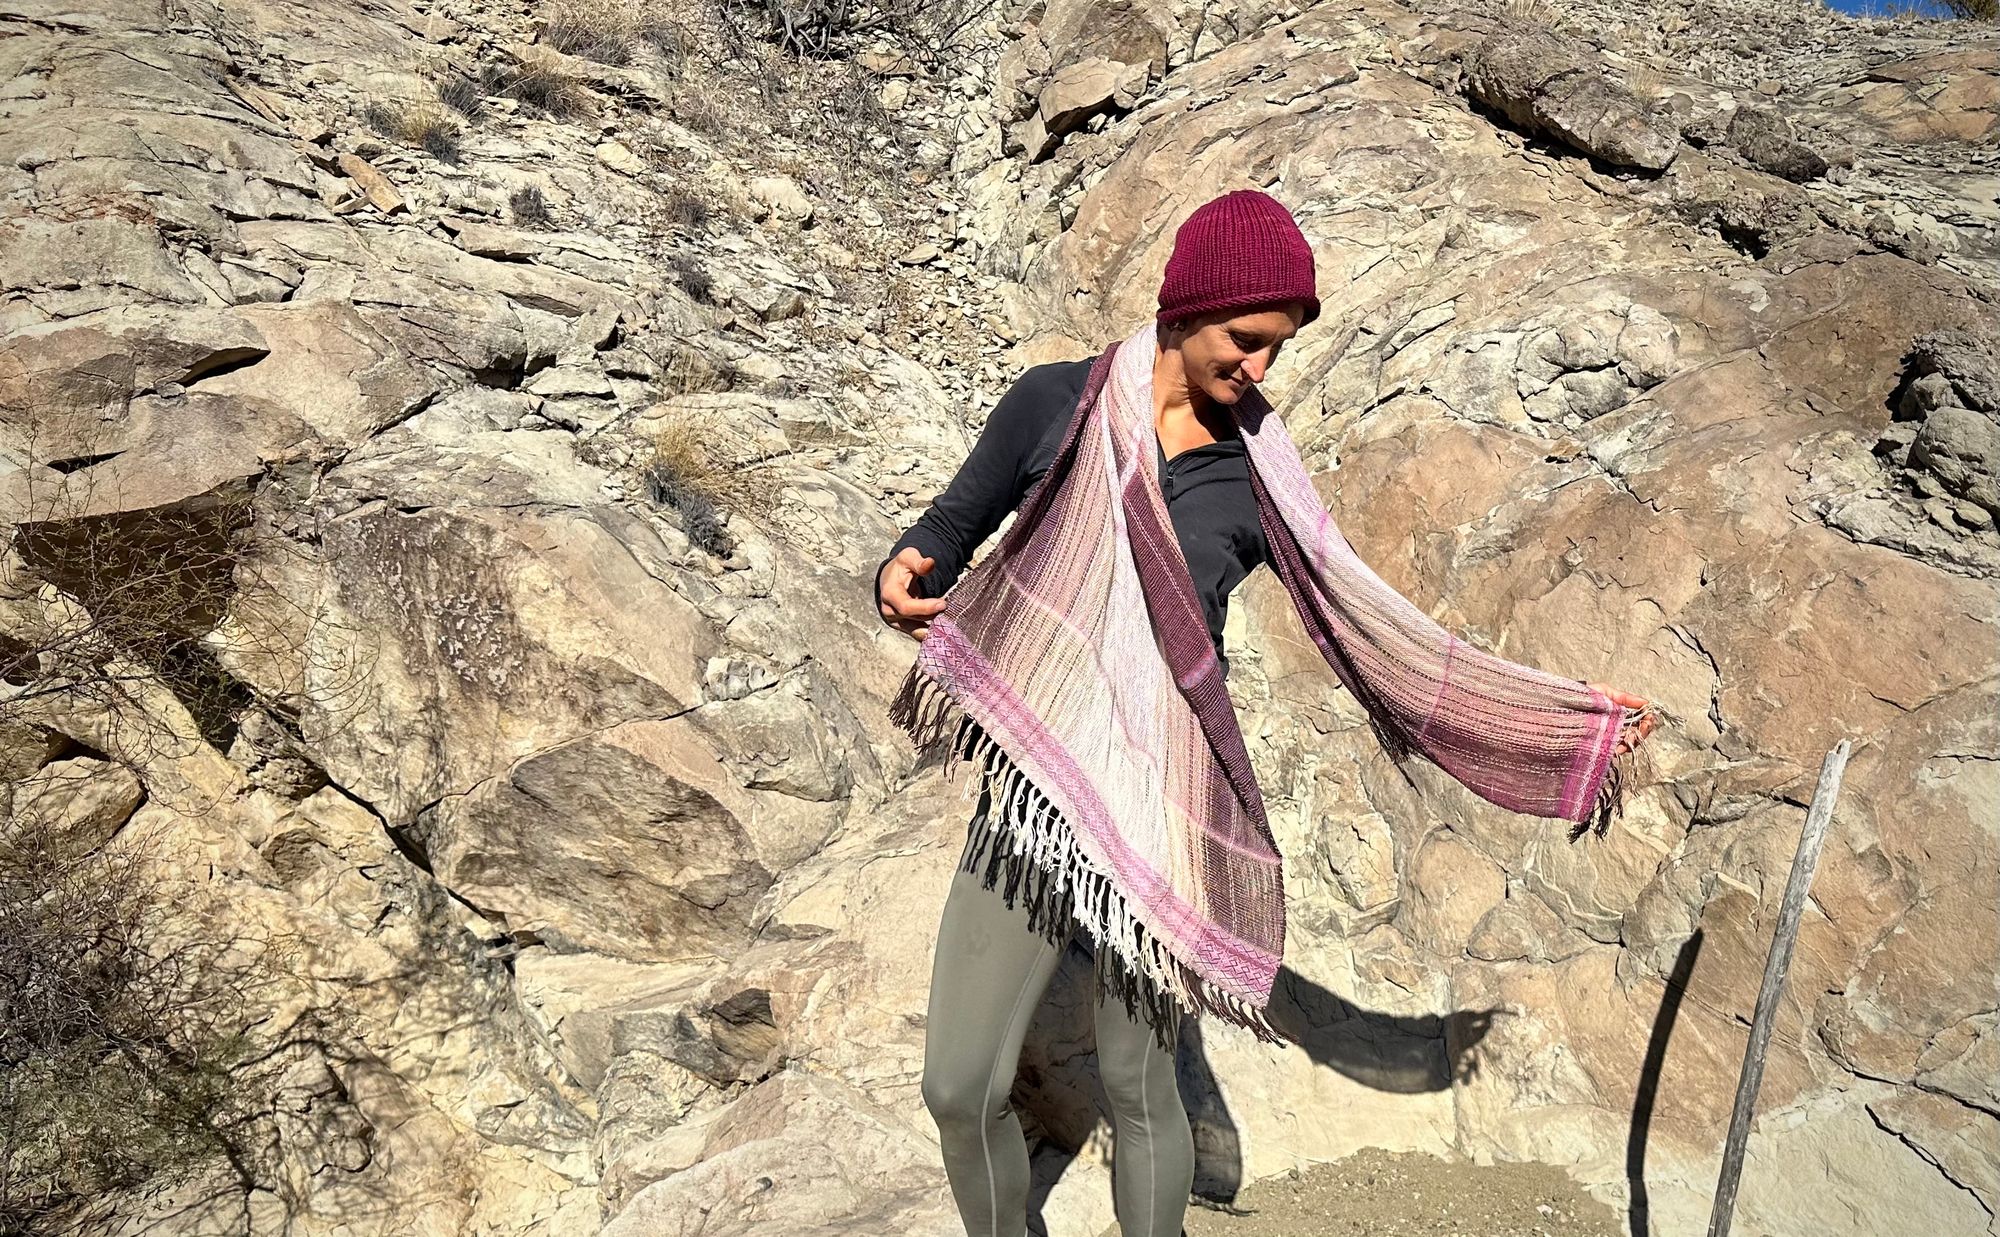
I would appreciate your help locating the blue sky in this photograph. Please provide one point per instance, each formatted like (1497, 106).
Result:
(1866, 7)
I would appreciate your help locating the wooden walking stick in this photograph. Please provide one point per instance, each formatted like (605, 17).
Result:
(1776, 966)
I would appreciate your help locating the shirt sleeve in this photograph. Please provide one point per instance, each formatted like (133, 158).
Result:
(989, 484)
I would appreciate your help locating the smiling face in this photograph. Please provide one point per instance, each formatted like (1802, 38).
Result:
(1224, 352)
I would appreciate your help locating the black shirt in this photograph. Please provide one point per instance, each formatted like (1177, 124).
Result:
(1207, 489)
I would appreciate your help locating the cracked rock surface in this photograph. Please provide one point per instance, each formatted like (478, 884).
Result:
(1663, 359)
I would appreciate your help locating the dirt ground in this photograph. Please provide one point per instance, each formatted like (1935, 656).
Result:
(1379, 1194)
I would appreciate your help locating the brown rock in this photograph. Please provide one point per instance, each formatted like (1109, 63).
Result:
(380, 193)
(67, 384)
(1450, 888)
(490, 241)
(1079, 91)
(1130, 32)
(798, 1144)
(81, 802)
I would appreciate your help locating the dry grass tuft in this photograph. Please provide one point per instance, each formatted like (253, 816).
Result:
(542, 85)
(1533, 12)
(682, 209)
(697, 115)
(529, 208)
(685, 476)
(462, 95)
(608, 31)
(1645, 81)
(693, 279)
(422, 125)
(686, 370)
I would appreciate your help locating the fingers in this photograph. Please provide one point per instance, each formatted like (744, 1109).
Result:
(899, 607)
(903, 601)
(1626, 699)
(1630, 736)
(908, 607)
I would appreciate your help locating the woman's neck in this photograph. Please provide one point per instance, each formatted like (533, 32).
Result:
(1183, 414)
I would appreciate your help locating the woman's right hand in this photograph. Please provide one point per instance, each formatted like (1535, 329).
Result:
(902, 609)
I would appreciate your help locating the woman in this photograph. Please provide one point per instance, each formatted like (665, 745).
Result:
(1083, 663)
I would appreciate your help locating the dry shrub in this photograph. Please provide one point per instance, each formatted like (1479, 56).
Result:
(126, 1054)
(530, 208)
(608, 31)
(116, 613)
(824, 29)
(686, 475)
(853, 112)
(541, 85)
(425, 126)
(123, 1058)
(132, 603)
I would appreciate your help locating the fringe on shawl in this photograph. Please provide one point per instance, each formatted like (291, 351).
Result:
(1022, 830)
(1613, 791)
(1023, 839)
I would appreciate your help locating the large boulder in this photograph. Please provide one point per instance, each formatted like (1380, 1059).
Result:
(594, 846)
(1547, 84)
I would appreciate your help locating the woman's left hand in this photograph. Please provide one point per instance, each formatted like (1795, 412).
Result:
(1629, 737)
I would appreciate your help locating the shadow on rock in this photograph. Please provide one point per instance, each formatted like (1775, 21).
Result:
(1403, 1054)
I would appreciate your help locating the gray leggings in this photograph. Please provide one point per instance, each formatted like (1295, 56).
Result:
(989, 974)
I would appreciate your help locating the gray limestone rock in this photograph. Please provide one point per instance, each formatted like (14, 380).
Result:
(1764, 137)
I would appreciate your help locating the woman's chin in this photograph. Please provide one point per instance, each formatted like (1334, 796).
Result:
(1226, 392)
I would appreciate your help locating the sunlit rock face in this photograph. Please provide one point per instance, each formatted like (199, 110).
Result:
(560, 762)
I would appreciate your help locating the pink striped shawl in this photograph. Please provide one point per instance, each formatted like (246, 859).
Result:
(1110, 740)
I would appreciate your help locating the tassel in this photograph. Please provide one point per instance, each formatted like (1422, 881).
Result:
(1612, 792)
(924, 711)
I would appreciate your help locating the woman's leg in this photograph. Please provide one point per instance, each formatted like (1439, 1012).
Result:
(1152, 1149)
(988, 976)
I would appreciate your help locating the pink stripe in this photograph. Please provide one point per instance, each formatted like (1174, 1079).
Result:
(1579, 790)
(1444, 680)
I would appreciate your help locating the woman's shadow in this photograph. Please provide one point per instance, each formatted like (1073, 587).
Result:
(1388, 1052)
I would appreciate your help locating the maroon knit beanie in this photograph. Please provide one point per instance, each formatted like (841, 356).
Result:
(1240, 250)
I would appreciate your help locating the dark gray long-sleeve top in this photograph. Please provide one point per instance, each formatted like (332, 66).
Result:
(1207, 490)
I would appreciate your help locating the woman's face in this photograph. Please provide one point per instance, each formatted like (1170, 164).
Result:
(1223, 353)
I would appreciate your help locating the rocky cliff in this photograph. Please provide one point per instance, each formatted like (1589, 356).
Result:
(519, 400)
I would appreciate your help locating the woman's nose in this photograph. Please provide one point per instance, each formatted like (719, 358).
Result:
(1255, 364)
